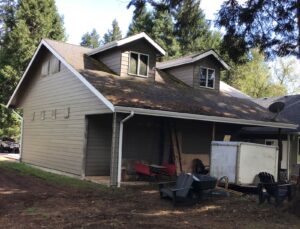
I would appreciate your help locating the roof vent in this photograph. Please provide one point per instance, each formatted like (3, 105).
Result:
(276, 108)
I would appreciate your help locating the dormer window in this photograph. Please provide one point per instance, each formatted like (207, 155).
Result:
(207, 77)
(138, 64)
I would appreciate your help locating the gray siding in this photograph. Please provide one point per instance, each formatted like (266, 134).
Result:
(183, 73)
(189, 73)
(140, 46)
(56, 141)
(111, 59)
(98, 145)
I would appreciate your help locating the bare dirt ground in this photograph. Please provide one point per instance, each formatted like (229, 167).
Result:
(29, 202)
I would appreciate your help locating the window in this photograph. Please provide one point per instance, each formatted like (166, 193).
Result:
(271, 142)
(207, 77)
(138, 64)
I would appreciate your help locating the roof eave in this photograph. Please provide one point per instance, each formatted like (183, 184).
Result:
(127, 41)
(199, 57)
(218, 119)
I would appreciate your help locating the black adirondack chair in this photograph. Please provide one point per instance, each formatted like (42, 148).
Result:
(179, 190)
(268, 188)
(203, 185)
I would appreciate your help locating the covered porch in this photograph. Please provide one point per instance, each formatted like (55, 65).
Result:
(115, 142)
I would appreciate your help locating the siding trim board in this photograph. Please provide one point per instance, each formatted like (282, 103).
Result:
(69, 67)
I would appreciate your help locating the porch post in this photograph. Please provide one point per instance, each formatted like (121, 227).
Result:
(279, 151)
(114, 150)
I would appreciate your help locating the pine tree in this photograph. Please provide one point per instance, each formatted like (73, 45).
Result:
(163, 33)
(91, 40)
(113, 34)
(191, 28)
(141, 22)
(23, 24)
(35, 19)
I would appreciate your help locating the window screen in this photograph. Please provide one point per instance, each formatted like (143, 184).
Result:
(133, 63)
(210, 78)
(207, 77)
(203, 73)
(143, 65)
(298, 146)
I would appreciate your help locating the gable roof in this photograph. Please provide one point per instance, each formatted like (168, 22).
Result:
(191, 59)
(165, 97)
(128, 40)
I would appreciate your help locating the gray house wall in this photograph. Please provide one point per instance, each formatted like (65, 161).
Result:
(54, 108)
(112, 59)
(190, 73)
(294, 156)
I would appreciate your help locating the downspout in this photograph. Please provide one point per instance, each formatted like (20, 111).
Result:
(121, 146)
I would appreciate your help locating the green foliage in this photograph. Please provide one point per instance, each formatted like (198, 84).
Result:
(23, 24)
(113, 34)
(254, 78)
(141, 22)
(273, 26)
(91, 40)
(192, 30)
(178, 26)
(162, 33)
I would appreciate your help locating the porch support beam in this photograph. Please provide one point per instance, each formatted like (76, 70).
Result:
(114, 150)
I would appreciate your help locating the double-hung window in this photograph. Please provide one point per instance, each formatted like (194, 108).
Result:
(207, 77)
(138, 64)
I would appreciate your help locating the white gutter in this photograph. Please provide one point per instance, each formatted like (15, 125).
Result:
(218, 119)
(121, 146)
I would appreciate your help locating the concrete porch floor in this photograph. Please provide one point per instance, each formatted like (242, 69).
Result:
(105, 180)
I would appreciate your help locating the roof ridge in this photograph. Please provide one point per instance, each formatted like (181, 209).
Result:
(67, 43)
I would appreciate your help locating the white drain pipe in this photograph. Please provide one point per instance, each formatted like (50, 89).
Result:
(121, 147)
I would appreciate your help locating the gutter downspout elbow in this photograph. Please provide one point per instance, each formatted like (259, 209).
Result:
(121, 146)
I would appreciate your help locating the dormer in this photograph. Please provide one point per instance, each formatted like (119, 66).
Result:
(201, 70)
(133, 56)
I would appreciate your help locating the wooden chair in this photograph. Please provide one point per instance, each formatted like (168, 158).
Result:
(268, 188)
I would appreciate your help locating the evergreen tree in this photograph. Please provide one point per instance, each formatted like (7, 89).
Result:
(141, 22)
(23, 24)
(191, 28)
(91, 40)
(163, 33)
(273, 26)
(113, 34)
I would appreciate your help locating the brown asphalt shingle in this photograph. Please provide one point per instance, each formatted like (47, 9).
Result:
(167, 94)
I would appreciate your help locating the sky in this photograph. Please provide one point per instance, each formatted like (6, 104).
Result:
(81, 16)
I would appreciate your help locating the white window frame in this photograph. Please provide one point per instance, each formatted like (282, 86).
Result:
(206, 81)
(138, 66)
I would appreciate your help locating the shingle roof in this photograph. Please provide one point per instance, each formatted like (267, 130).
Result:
(191, 59)
(166, 94)
(291, 110)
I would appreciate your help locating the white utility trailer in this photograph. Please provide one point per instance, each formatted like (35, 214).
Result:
(241, 162)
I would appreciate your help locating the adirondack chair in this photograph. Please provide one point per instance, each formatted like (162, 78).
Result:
(179, 190)
(268, 188)
(203, 184)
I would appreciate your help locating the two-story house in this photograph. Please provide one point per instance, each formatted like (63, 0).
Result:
(87, 111)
